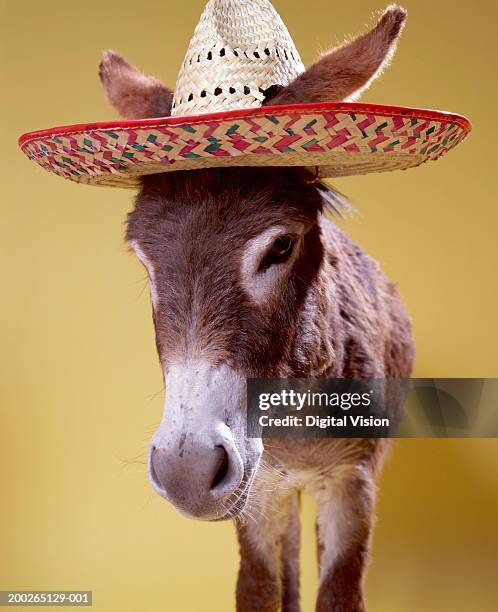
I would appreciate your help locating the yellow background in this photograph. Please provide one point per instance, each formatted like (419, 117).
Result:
(80, 387)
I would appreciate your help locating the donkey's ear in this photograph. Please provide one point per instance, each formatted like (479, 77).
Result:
(346, 71)
(131, 93)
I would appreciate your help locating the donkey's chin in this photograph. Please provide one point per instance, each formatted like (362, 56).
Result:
(234, 509)
(215, 511)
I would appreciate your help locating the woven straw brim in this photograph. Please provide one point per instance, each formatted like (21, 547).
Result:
(341, 139)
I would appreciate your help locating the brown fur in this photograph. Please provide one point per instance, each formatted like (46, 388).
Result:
(335, 315)
(133, 94)
(186, 221)
(290, 560)
(208, 215)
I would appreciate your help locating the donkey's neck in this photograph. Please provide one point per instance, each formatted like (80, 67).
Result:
(314, 352)
(342, 324)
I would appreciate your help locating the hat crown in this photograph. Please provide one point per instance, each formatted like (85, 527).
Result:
(239, 49)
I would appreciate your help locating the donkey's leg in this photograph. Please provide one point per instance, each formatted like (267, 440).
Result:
(262, 540)
(345, 517)
(258, 584)
(290, 560)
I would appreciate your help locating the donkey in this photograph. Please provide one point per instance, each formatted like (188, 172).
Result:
(250, 278)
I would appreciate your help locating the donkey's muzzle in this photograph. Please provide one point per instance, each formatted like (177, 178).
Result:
(198, 480)
(200, 458)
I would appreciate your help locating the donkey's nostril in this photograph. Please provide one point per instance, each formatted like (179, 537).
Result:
(221, 469)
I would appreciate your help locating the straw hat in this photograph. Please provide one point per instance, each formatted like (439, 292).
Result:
(240, 50)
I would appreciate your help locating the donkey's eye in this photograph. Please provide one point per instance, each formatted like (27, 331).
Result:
(282, 246)
(280, 252)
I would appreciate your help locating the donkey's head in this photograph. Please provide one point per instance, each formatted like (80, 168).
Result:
(234, 257)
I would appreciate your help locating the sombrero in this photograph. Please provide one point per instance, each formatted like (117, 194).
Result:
(239, 52)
